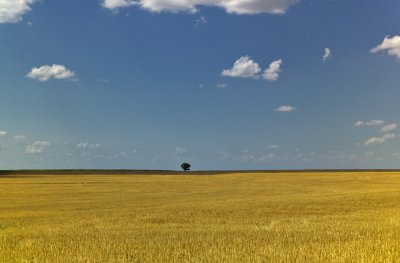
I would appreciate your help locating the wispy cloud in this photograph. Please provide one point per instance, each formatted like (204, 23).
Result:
(2, 133)
(379, 140)
(224, 154)
(201, 21)
(180, 150)
(273, 146)
(86, 145)
(285, 108)
(37, 147)
(327, 54)
(191, 6)
(389, 44)
(389, 127)
(46, 72)
(375, 122)
(358, 123)
(126, 154)
(115, 4)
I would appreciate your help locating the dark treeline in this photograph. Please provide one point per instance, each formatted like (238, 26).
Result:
(173, 172)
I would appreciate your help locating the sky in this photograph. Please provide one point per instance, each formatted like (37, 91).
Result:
(221, 84)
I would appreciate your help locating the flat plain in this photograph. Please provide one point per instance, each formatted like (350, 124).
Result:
(231, 217)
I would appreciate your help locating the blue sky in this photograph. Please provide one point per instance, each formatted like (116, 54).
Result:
(148, 84)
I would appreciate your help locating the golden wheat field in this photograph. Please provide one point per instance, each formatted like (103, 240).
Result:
(242, 217)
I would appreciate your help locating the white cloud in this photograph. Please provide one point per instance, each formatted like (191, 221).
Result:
(374, 122)
(379, 140)
(389, 127)
(85, 145)
(230, 6)
(46, 72)
(272, 72)
(244, 67)
(391, 45)
(285, 108)
(11, 11)
(180, 150)
(115, 4)
(358, 123)
(327, 54)
(222, 85)
(19, 137)
(2, 133)
(82, 145)
(37, 147)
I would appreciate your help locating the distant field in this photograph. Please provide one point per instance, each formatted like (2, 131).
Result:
(233, 217)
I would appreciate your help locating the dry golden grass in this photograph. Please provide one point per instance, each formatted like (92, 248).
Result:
(247, 217)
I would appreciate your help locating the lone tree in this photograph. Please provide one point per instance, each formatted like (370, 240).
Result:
(185, 167)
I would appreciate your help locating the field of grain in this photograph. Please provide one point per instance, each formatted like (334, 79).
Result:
(243, 217)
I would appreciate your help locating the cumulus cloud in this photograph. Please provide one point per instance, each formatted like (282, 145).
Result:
(374, 122)
(11, 11)
(272, 72)
(37, 147)
(85, 145)
(389, 127)
(327, 54)
(379, 140)
(244, 67)
(46, 72)
(230, 6)
(285, 108)
(390, 45)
